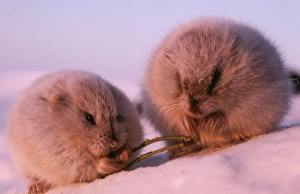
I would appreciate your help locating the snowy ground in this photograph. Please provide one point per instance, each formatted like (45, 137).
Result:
(266, 164)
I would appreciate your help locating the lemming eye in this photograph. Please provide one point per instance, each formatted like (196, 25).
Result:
(120, 118)
(90, 118)
(215, 79)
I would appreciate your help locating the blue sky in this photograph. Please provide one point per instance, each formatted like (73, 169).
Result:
(115, 38)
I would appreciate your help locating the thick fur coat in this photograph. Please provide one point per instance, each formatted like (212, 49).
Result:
(217, 80)
(70, 127)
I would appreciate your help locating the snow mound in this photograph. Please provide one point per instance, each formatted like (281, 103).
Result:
(266, 164)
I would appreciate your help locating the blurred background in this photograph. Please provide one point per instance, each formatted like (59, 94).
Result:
(114, 39)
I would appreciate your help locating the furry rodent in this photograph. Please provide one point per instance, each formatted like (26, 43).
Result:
(71, 126)
(217, 80)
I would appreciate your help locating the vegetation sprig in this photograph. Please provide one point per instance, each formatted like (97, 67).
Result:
(182, 141)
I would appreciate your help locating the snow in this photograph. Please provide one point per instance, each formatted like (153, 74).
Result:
(265, 164)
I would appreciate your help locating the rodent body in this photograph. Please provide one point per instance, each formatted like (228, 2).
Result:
(217, 80)
(69, 127)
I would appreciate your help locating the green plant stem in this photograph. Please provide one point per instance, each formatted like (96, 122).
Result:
(181, 139)
(144, 156)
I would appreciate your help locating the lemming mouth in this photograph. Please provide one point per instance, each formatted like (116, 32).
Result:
(121, 154)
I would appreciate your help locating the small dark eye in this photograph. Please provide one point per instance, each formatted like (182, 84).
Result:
(185, 85)
(119, 118)
(214, 81)
(90, 118)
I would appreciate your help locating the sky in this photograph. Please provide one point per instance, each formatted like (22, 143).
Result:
(116, 38)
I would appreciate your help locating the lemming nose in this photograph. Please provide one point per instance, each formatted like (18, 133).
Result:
(113, 143)
(113, 140)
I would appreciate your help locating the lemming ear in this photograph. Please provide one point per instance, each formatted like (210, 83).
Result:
(57, 98)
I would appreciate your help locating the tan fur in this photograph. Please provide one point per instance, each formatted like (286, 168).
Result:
(217, 80)
(51, 139)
